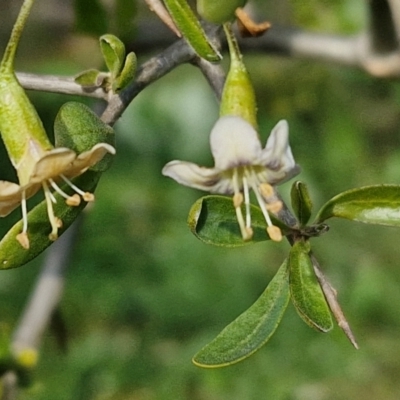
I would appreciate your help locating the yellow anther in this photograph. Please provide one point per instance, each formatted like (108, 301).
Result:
(266, 190)
(88, 196)
(74, 200)
(248, 233)
(23, 240)
(275, 207)
(237, 200)
(274, 233)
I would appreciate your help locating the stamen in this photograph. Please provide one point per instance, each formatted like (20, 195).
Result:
(55, 222)
(247, 202)
(266, 190)
(261, 203)
(23, 236)
(275, 207)
(274, 233)
(246, 231)
(23, 240)
(85, 195)
(237, 200)
(24, 212)
(74, 200)
(53, 199)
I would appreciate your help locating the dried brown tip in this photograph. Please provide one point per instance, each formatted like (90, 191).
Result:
(248, 27)
(157, 7)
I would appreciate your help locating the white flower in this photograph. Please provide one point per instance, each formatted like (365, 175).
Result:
(241, 165)
(45, 168)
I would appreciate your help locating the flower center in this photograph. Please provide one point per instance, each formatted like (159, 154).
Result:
(55, 222)
(245, 178)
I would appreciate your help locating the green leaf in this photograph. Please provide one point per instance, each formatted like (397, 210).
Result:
(252, 329)
(91, 78)
(307, 295)
(13, 255)
(191, 29)
(301, 202)
(378, 204)
(127, 74)
(91, 17)
(78, 128)
(113, 51)
(213, 220)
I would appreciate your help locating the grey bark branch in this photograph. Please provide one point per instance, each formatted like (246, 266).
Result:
(58, 84)
(214, 74)
(153, 69)
(46, 295)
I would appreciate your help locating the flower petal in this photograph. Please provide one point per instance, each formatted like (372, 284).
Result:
(10, 197)
(189, 174)
(234, 142)
(88, 158)
(277, 156)
(52, 164)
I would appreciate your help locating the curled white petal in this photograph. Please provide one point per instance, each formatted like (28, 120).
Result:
(277, 156)
(234, 142)
(190, 174)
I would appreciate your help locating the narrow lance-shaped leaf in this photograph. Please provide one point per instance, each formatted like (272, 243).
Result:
(252, 329)
(212, 219)
(191, 29)
(378, 204)
(301, 202)
(307, 295)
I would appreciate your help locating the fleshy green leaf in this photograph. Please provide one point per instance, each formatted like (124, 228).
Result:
(378, 204)
(307, 295)
(301, 202)
(191, 29)
(127, 74)
(252, 329)
(213, 220)
(13, 255)
(78, 128)
(113, 51)
(91, 78)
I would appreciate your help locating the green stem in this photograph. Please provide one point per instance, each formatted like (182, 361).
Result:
(7, 63)
(234, 50)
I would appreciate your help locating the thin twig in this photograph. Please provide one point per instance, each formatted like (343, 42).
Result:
(47, 293)
(58, 84)
(153, 69)
(214, 74)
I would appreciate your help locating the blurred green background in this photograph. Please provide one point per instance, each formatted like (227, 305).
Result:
(143, 295)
